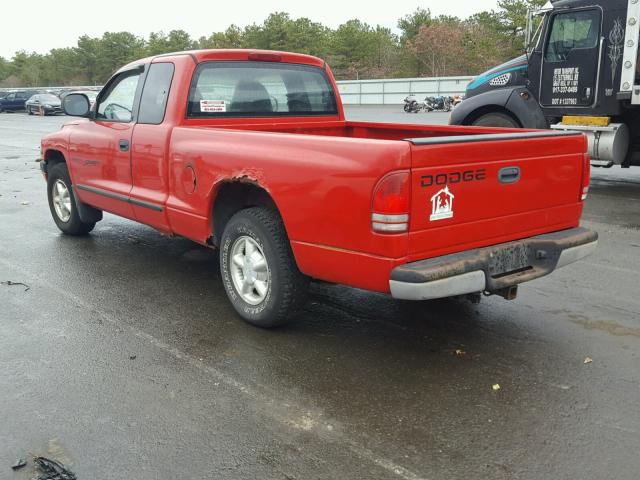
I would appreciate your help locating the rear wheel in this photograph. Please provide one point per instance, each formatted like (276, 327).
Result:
(62, 202)
(258, 270)
(496, 119)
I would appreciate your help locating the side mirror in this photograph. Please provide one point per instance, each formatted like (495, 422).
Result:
(76, 105)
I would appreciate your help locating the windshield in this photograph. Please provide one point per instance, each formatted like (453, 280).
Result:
(260, 89)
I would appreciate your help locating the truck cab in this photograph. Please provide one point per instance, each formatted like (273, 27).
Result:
(579, 73)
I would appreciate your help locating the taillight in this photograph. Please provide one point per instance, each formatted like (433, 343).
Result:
(390, 205)
(586, 177)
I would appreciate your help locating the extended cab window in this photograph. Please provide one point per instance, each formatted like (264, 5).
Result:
(116, 103)
(228, 89)
(570, 31)
(155, 94)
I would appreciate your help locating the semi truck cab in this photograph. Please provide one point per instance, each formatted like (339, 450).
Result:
(579, 73)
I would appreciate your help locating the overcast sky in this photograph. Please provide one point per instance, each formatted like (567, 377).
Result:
(39, 25)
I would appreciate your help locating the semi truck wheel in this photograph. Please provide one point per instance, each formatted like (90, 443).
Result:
(496, 119)
(258, 269)
(62, 202)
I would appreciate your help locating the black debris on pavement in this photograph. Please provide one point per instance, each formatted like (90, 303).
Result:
(52, 470)
(11, 284)
(18, 464)
(133, 357)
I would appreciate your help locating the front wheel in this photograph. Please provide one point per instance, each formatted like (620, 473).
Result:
(259, 272)
(496, 119)
(62, 202)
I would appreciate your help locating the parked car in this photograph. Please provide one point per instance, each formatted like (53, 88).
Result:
(46, 103)
(15, 101)
(250, 152)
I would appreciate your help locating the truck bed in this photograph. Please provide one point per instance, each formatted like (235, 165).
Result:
(340, 173)
(361, 130)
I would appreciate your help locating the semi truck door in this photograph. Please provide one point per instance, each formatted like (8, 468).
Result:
(571, 59)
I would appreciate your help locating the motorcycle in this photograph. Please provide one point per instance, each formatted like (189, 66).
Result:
(411, 105)
(438, 104)
(429, 104)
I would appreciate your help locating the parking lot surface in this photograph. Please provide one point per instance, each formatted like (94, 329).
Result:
(122, 357)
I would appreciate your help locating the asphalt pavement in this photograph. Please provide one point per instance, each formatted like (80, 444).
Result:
(121, 357)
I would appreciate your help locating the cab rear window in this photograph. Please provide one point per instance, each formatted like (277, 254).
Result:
(236, 89)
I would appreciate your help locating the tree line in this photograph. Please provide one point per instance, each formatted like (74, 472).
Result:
(425, 46)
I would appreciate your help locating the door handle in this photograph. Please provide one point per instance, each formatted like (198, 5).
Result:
(124, 145)
(509, 175)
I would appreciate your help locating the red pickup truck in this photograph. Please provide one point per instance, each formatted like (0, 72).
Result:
(249, 152)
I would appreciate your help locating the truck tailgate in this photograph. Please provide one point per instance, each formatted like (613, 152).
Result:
(477, 190)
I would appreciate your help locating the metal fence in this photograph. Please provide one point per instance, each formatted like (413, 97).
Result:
(366, 92)
(53, 89)
(393, 91)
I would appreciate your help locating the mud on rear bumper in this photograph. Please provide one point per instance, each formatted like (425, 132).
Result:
(491, 269)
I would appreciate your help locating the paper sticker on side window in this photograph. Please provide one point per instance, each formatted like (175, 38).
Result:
(213, 106)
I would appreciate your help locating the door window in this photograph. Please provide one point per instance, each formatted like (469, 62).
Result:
(570, 31)
(155, 94)
(116, 103)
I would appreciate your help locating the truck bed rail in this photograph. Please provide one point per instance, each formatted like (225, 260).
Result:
(489, 137)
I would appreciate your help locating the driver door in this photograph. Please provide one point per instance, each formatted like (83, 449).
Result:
(101, 147)
(571, 59)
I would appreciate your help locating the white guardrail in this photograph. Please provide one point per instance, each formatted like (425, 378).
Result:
(386, 91)
(393, 91)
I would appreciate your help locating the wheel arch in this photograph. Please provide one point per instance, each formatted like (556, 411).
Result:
(232, 195)
(484, 110)
(53, 157)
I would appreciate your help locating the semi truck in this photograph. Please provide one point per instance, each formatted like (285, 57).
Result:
(580, 73)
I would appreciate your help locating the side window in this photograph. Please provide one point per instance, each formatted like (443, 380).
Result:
(116, 103)
(570, 31)
(153, 102)
(11, 96)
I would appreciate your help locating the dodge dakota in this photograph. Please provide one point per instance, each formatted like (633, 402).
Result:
(249, 152)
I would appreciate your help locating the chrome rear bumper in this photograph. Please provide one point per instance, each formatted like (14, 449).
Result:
(491, 269)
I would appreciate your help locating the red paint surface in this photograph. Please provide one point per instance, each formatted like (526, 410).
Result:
(321, 174)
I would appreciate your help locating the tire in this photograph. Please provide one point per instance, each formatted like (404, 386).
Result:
(496, 119)
(283, 288)
(66, 217)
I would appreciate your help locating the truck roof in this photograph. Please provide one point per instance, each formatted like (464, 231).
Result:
(237, 55)
(607, 4)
